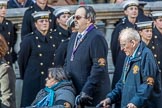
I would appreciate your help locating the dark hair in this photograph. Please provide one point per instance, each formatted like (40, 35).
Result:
(58, 73)
(90, 13)
(3, 46)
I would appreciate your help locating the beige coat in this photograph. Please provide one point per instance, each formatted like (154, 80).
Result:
(7, 86)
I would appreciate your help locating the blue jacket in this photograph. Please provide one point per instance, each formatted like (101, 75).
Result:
(134, 87)
(88, 70)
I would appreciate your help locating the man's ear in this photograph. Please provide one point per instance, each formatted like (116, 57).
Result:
(133, 42)
(89, 20)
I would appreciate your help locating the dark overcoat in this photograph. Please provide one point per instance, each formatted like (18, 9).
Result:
(7, 29)
(156, 46)
(88, 70)
(63, 37)
(35, 57)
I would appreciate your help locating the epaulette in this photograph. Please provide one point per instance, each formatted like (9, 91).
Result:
(30, 7)
(30, 34)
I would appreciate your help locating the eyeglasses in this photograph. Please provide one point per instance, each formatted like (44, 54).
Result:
(43, 20)
(78, 17)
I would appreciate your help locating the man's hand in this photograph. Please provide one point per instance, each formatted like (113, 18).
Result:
(131, 105)
(106, 103)
(84, 99)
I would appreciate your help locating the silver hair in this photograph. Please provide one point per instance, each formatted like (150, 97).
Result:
(90, 13)
(58, 73)
(129, 34)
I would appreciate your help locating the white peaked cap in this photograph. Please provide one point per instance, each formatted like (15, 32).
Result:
(59, 11)
(41, 14)
(3, 1)
(144, 24)
(156, 13)
(128, 3)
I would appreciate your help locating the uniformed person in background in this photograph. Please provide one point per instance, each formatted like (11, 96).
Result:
(131, 12)
(35, 57)
(28, 21)
(7, 29)
(86, 61)
(62, 32)
(145, 31)
(141, 15)
(19, 3)
(156, 42)
(61, 51)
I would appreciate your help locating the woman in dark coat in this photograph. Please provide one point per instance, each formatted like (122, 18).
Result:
(35, 57)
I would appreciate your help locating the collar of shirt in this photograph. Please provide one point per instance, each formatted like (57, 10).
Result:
(133, 56)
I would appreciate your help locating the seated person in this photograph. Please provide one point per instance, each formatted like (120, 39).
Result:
(58, 93)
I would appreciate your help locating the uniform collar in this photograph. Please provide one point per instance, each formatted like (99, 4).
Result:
(137, 53)
(65, 33)
(41, 37)
(37, 8)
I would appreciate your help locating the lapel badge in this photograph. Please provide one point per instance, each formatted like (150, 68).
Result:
(135, 69)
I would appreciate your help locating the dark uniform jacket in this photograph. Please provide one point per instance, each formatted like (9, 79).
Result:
(7, 88)
(139, 83)
(28, 20)
(64, 92)
(88, 69)
(7, 29)
(35, 57)
(63, 39)
(118, 56)
(156, 46)
(15, 4)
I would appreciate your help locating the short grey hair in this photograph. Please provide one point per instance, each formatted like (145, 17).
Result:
(58, 73)
(130, 34)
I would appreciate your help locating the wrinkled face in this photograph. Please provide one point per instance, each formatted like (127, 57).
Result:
(42, 25)
(127, 46)
(131, 11)
(158, 23)
(50, 81)
(3, 11)
(146, 34)
(62, 19)
(81, 23)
